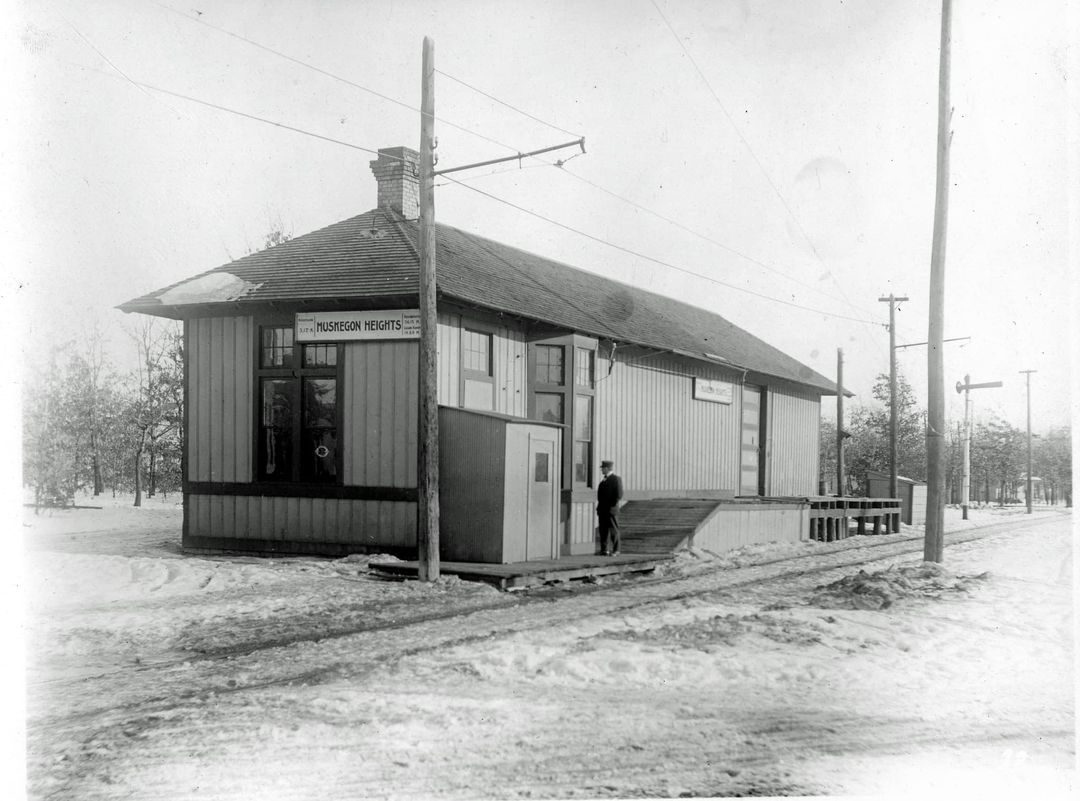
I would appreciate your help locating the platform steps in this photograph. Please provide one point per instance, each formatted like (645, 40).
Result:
(661, 525)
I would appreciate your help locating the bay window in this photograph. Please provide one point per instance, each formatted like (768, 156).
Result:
(562, 386)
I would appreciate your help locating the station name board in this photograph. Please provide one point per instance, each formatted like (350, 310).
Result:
(707, 389)
(355, 325)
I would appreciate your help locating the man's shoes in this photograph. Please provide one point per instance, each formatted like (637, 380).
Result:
(607, 553)
(616, 553)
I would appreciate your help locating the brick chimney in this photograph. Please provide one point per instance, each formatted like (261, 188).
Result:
(397, 171)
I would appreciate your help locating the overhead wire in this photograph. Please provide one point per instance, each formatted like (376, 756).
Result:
(508, 105)
(653, 259)
(505, 145)
(753, 154)
(265, 120)
(327, 73)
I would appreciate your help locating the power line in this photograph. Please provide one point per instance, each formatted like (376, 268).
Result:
(653, 259)
(698, 234)
(504, 103)
(144, 86)
(328, 74)
(750, 150)
(492, 140)
(351, 145)
(600, 240)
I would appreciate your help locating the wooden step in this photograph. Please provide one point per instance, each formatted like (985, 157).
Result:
(661, 525)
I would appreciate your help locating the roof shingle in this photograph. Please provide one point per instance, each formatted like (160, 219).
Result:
(374, 255)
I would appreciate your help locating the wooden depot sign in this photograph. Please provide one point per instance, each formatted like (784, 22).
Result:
(713, 391)
(355, 325)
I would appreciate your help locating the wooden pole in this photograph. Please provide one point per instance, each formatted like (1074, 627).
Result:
(892, 300)
(934, 543)
(428, 466)
(966, 481)
(840, 422)
(1027, 489)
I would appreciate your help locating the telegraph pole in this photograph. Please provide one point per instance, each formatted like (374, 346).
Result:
(934, 542)
(428, 430)
(892, 300)
(965, 484)
(839, 422)
(1027, 489)
(428, 458)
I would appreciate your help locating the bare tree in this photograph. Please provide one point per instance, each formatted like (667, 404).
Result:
(155, 414)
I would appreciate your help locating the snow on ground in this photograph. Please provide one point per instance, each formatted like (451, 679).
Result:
(779, 669)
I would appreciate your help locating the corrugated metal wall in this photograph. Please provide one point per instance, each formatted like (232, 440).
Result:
(472, 477)
(511, 390)
(660, 437)
(381, 398)
(219, 354)
(367, 523)
(794, 422)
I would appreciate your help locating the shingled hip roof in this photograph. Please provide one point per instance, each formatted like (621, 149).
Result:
(374, 255)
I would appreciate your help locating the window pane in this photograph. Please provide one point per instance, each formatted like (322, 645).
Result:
(277, 347)
(549, 364)
(549, 407)
(476, 351)
(318, 441)
(541, 473)
(277, 402)
(582, 463)
(320, 402)
(320, 355)
(583, 417)
(478, 395)
(319, 454)
(276, 430)
(584, 374)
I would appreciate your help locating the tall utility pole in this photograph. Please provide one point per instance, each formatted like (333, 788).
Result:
(428, 430)
(840, 422)
(965, 483)
(934, 543)
(892, 300)
(428, 458)
(1027, 489)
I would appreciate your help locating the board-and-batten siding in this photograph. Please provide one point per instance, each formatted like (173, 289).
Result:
(364, 524)
(660, 437)
(220, 406)
(380, 398)
(794, 419)
(508, 357)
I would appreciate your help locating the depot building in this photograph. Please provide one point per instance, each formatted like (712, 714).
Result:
(301, 390)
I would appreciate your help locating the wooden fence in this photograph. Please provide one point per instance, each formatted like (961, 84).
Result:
(830, 517)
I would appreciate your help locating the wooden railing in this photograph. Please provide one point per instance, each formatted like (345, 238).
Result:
(830, 517)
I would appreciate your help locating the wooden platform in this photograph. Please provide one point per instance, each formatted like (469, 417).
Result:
(518, 575)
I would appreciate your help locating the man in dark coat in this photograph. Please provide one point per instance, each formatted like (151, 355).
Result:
(609, 498)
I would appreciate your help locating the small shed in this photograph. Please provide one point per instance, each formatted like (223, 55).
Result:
(498, 487)
(912, 495)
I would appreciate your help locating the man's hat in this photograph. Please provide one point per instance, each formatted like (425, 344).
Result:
(607, 463)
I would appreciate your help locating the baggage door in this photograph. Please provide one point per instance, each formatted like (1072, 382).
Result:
(540, 518)
(752, 464)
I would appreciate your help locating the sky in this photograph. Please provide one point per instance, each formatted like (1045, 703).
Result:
(773, 162)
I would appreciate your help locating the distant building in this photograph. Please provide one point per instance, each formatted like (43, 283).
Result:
(301, 392)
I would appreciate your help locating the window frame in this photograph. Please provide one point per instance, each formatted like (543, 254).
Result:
(468, 374)
(295, 375)
(572, 345)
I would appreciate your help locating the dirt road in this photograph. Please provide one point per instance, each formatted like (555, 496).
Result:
(723, 683)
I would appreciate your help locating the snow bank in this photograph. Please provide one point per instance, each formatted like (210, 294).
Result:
(882, 588)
